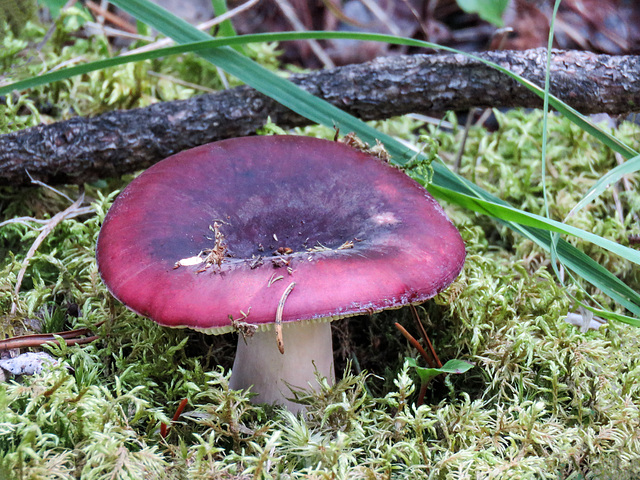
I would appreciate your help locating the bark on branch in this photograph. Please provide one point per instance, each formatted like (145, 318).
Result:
(83, 149)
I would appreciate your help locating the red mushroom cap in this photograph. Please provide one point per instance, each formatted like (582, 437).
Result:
(354, 233)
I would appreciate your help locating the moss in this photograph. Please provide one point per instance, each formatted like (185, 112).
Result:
(545, 400)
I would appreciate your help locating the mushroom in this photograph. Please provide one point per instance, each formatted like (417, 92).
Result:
(290, 231)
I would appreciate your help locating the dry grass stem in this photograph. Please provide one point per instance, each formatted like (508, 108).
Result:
(48, 228)
(114, 32)
(292, 17)
(26, 221)
(279, 311)
(381, 15)
(49, 187)
(111, 17)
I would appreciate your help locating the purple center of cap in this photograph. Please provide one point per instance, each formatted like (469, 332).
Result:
(223, 230)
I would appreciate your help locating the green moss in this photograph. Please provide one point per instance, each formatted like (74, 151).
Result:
(545, 400)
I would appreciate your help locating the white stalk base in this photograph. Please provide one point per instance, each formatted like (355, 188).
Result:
(260, 365)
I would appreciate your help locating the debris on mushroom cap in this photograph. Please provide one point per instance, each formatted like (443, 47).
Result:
(200, 237)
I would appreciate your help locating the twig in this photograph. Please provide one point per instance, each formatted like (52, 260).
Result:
(110, 17)
(298, 26)
(381, 15)
(434, 361)
(483, 117)
(44, 336)
(422, 393)
(78, 150)
(417, 346)
(24, 220)
(283, 299)
(67, 63)
(16, 342)
(114, 32)
(48, 228)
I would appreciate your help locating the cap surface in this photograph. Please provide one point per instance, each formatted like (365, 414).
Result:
(353, 233)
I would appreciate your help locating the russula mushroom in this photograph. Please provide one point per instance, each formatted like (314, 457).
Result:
(294, 231)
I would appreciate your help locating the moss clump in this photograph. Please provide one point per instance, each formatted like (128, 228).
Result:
(53, 428)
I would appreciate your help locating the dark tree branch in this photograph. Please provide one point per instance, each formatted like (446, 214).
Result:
(82, 149)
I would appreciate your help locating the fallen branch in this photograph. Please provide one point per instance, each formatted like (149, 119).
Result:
(84, 149)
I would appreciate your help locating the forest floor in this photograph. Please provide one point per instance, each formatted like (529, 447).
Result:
(548, 397)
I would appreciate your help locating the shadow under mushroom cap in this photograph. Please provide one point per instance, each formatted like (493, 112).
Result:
(354, 234)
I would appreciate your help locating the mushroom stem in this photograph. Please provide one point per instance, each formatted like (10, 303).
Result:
(260, 365)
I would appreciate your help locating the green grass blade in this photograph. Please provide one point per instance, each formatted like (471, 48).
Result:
(545, 135)
(69, 72)
(612, 176)
(634, 322)
(594, 273)
(511, 214)
(545, 119)
(225, 28)
(585, 267)
(573, 258)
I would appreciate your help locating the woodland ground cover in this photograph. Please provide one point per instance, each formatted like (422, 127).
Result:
(545, 399)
